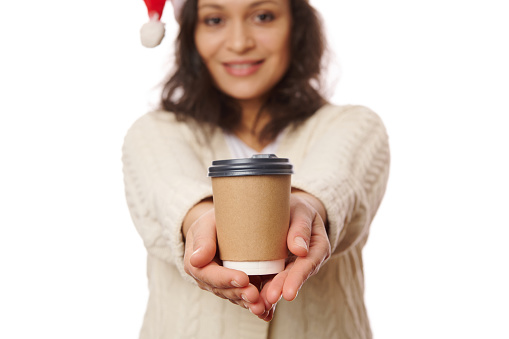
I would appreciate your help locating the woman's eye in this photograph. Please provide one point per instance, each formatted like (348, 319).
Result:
(264, 17)
(213, 21)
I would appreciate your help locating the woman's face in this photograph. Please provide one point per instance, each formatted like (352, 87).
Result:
(245, 44)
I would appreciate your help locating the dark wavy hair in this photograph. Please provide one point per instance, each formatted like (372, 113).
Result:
(190, 91)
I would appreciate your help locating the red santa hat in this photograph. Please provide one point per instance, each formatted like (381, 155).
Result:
(152, 32)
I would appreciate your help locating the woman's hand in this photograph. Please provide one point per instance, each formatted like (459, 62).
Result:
(307, 240)
(201, 262)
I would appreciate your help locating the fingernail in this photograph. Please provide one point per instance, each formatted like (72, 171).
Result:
(243, 296)
(301, 243)
(235, 284)
(249, 308)
(198, 250)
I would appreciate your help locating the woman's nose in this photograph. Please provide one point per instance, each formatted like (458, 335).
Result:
(240, 39)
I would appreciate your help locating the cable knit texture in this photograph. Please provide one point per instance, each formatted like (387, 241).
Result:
(340, 155)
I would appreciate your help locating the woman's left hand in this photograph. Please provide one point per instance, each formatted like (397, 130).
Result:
(307, 240)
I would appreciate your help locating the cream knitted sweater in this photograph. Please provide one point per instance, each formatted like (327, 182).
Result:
(340, 155)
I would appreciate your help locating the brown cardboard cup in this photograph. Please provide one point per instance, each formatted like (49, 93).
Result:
(252, 208)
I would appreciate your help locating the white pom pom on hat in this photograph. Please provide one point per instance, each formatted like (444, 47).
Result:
(152, 32)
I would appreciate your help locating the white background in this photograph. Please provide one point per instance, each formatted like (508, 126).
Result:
(73, 77)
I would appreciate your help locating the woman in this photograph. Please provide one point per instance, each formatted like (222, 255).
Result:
(245, 82)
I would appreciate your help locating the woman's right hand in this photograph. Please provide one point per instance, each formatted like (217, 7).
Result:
(201, 263)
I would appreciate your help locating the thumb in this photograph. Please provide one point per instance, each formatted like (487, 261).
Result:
(299, 233)
(203, 238)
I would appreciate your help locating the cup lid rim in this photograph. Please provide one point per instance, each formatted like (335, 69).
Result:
(260, 164)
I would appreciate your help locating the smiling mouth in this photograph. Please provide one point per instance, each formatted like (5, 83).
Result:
(243, 68)
(243, 65)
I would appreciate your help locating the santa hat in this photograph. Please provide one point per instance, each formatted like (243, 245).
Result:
(152, 32)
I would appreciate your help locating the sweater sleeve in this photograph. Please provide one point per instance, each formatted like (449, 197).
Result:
(163, 178)
(346, 167)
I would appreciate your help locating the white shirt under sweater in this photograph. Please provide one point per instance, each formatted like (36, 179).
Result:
(239, 149)
(340, 155)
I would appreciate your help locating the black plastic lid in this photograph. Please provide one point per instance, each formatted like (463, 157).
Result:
(258, 164)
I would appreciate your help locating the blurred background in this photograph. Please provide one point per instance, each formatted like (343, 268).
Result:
(74, 76)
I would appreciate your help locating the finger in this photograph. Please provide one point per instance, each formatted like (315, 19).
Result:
(242, 296)
(305, 267)
(263, 296)
(269, 307)
(265, 314)
(216, 276)
(270, 314)
(252, 299)
(187, 255)
(299, 233)
(273, 291)
(257, 308)
(203, 240)
(296, 277)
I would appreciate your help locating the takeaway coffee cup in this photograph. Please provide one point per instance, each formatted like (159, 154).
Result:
(252, 208)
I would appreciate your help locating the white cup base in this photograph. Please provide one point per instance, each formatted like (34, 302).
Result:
(257, 267)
